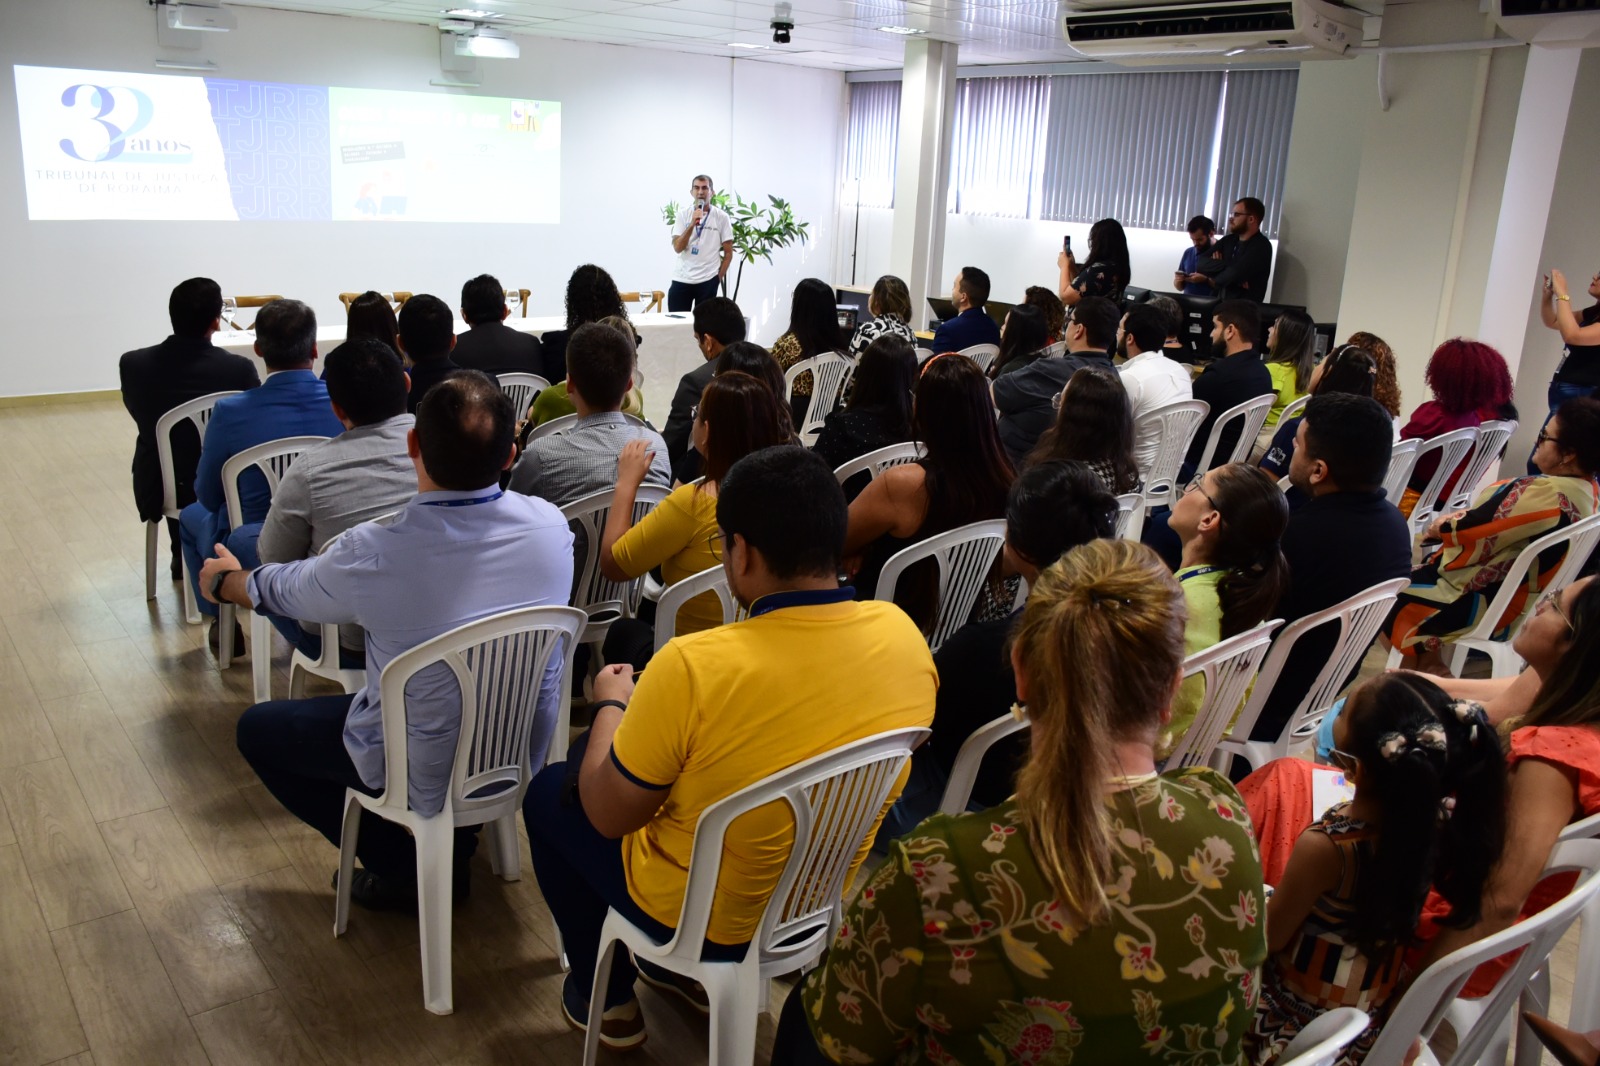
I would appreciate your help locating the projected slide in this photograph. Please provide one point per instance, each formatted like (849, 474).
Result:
(106, 145)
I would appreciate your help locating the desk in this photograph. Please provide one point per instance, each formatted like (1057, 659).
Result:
(667, 351)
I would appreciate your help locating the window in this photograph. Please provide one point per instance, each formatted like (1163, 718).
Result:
(871, 143)
(1253, 151)
(998, 146)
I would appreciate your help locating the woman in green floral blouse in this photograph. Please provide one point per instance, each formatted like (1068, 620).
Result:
(1104, 914)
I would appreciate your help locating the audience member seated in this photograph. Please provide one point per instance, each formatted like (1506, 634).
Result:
(1106, 274)
(371, 317)
(890, 308)
(184, 367)
(878, 413)
(1231, 522)
(1348, 369)
(1052, 508)
(1291, 355)
(1176, 347)
(963, 478)
(591, 296)
(1024, 399)
(1453, 587)
(972, 325)
(1387, 389)
(461, 550)
(748, 357)
(556, 401)
(1055, 312)
(1023, 338)
(714, 713)
(1094, 425)
(489, 344)
(1035, 931)
(1343, 540)
(718, 322)
(1235, 374)
(738, 415)
(1151, 379)
(813, 330)
(1471, 384)
(362, 474)
(290, 403)
(427, 337)
(583, 460)
(1349, 902)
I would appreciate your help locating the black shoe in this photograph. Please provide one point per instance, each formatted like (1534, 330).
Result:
(215, 645)
(177, 569)
(375, 893)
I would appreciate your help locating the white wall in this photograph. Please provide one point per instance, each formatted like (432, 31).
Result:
(80, 293)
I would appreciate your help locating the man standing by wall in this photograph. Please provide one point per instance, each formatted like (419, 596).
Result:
(1242, 263)
(703, 240)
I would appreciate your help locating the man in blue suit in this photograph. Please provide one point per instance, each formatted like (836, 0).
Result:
(292, 402)
(972, 325)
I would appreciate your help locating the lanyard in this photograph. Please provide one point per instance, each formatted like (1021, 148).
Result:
(474, 501)
(800, 598)
(1199, 571)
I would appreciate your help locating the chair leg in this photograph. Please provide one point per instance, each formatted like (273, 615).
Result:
(1535, 998)
(297, 678)
(435, 887)
(735, 993)
(191, 613)
(225, 623)
(597, 998)
(151, 543)
(347, 862)
(260, 656)
(503, 855)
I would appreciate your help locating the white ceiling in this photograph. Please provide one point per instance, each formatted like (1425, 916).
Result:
(837, 34)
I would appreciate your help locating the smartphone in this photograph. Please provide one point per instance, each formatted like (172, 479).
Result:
(1066, 244)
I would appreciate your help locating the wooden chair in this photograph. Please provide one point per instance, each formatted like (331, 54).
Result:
(656, 299)
(230, 321)
(397, 298)
(518, 297)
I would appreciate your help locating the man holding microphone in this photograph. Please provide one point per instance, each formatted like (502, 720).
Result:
(704, 243)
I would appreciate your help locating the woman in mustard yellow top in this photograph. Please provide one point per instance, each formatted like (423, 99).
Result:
(736, 416)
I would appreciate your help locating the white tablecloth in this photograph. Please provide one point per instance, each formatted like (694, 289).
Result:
(667, 351)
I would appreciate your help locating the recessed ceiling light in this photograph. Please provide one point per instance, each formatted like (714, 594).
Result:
(472, 13)
(742, 44)
(904, 31)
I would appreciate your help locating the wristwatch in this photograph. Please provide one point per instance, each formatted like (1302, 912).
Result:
(216, 584)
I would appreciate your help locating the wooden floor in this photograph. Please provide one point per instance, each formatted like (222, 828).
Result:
(156, 904)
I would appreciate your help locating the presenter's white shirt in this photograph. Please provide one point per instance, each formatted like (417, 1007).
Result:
(1152, 380)
(701, 259)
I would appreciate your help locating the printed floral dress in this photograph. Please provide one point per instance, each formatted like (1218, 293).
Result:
(957, 951)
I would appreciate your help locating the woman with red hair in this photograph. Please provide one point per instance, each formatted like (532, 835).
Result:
(1471, 385)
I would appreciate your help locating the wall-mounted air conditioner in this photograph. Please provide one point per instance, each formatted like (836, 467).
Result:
(1550, 21)
(1175, 30)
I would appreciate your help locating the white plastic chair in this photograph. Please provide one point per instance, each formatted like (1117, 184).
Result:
(272, 458)
(1584, 1012)
(521, 387)
(1130, 516)
(1050, 351)
(964, 556)
(564, 423)
(681, 592)
(923, 355)
(1402, 460)
(969, 760)
(1429, 999)
(830, 373)
(1320, 1042)
(1174, 427)
(875, 463)
(1358, 619)
(1253, 413)
(835, 797)
(1492, 440)
(499, 663)
(982, 354)
(1293, 408)
(197, 411)
(1453, 448)
(1228, 668)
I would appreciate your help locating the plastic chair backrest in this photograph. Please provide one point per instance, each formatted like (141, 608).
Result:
(876, 462)
(681, 592)
(1358, 619)
(964, 556)
(522, 388)
(1254, 413)
(197, 411)
(272, 458)
(1425, 1002)
(830, 373)
(835, 798)
(1228, 668)
(969, 759)
(553, 428)
(1051, 350)
(923, 355)
(602, 599)
(1293, 408)
(1402, 460)
(1580, 538)
(499, 663)
(1320, 1042)
(1130, 516)
(1492, 440)
(1584, 1015)
(982, 354)
(1453, 448)
(1175, 426)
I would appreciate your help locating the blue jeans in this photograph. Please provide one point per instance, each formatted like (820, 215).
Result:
(1559, 393)
(196, 524)
(684, 295)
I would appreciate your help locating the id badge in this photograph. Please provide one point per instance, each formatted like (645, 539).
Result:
(694, 249)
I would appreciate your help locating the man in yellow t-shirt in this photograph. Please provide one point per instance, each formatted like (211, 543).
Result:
(808, 671)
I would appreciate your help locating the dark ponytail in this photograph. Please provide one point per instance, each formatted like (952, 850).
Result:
(1254, 516)
(1474, 831)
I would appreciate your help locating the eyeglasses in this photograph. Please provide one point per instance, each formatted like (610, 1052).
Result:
(1346, 761)
(714, 544)
(1552, 601)
(1199, 485)
(1543, 436)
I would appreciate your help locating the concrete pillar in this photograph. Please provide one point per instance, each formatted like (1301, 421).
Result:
(922, 170)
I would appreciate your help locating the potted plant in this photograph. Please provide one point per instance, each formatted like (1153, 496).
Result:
(758, 230)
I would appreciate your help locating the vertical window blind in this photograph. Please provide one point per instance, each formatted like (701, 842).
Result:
(998, 144)
(1253, 150)
(871, 142)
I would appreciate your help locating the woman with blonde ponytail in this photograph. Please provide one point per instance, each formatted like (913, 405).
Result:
(1105, 913)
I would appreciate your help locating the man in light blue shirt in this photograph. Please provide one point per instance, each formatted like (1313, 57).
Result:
(461, 550)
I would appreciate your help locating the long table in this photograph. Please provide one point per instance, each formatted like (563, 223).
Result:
(667, 351)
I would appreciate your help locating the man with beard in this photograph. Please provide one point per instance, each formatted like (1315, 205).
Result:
(1151, 379)
(1236, 374)
(1242, 262)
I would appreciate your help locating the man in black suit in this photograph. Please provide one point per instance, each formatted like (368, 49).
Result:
(490, 345)
(718, 322)
(183, 367)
